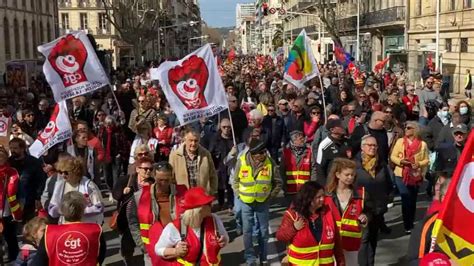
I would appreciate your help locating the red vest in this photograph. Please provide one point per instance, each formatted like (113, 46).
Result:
(347, 223)
(296, 175)
(210, 255)
(150, 230)
(305, 250)
(10, 175)
(73, 244)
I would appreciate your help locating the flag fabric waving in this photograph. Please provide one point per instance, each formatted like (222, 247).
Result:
(192, 85)
(58, 130)
(381, 64)
(301, 65)
(453, 230)
(72, 67)
(231, 56)
(342, 58)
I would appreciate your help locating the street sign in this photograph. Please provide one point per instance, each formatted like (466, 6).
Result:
(272, 10)
(281, 11)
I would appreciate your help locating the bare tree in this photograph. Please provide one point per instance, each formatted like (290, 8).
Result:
(327, 15)
(136, 23)
(213, 34)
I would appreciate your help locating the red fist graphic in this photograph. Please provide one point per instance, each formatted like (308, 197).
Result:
(51, 128)
(189, 81)
(68, 58)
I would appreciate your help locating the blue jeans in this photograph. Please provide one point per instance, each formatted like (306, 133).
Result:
(261, 211)
(409, 196)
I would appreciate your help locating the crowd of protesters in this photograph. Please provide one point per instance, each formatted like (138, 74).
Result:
(338, 153)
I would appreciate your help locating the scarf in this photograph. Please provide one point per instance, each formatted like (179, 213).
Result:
(369, 163)
(297, 150)
(351, 126)
(411, 176)
(108, 145)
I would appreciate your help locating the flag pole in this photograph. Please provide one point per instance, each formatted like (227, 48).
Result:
(322, 92)
(231, 126)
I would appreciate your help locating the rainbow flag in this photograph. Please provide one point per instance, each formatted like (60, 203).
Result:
(301, 65)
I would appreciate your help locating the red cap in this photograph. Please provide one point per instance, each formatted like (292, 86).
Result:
(435, 259)
(195, 198)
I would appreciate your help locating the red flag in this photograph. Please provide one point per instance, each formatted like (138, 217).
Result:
(231, 55)
(453, 228)
(380, 65)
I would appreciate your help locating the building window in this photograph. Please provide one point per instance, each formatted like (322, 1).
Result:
(33, 33)
(83, 18)
(48, 32)
(467, 3)
(418, 8)
(26, 39)
(102, 21)
(433, 40)
(6, 34)
(41, 32)
(17, 45)
(452, 5)
(65, 21)
(464, 45)
(449, 45)
(40, 6)
(23, 3)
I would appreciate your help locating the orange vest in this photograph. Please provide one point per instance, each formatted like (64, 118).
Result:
(150, 228)
(296, 175)
(10, 183)
(305, 250)
(210, 253)
(73, 244)
(347, 223)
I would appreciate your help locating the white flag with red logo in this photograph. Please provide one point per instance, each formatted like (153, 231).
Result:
(192, 85)
(72, 67)
(453, 230)
(58, 130)
(4, 124)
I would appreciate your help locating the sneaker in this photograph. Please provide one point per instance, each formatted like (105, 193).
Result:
(408, 232)
(390, 205)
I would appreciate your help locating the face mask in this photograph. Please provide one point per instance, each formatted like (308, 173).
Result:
(463, 110)
(443, 113)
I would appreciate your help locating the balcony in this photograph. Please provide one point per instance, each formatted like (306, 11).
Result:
(83, 3)
(384, 16)
(64, 3)
(103, 31)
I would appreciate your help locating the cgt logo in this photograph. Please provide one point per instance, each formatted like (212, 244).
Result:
(68, 58)
(72, 247)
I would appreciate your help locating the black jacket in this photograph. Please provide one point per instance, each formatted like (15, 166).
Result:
(379, 188)
(328, 150)
(32, 178)
(219, 148)
(447, 157)
(434, 126)
(417, 238)
(276, 132)
(296, 123)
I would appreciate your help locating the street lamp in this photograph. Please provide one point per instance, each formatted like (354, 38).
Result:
(195, 38)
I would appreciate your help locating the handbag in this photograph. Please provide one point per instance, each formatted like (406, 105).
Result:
(113, 220)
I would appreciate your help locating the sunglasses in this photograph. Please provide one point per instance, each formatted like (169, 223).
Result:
(141, 101)
(271, 110)
(409, 128)
(225, 127)
(63, 172)
(315, 113)
(146, 168)
(142, 153)
(388, 112)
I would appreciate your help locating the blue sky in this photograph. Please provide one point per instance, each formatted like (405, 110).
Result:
(220, 13)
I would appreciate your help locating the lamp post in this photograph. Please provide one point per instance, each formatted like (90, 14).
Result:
(195, 38)
(191, 23)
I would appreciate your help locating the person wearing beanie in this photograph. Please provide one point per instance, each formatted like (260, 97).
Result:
(181, 240)
(297, 165)
(256, 181)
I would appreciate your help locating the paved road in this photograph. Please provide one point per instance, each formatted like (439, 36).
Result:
(390, 251)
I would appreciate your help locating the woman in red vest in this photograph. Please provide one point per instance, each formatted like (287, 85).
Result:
(73, 242)
(154, 207)
(197, 237)
(310, 229)
(348, 206)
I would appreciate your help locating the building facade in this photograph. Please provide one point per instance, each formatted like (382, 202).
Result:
(456, 38)
(382, 30)
(24, 25)
(246, 28)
